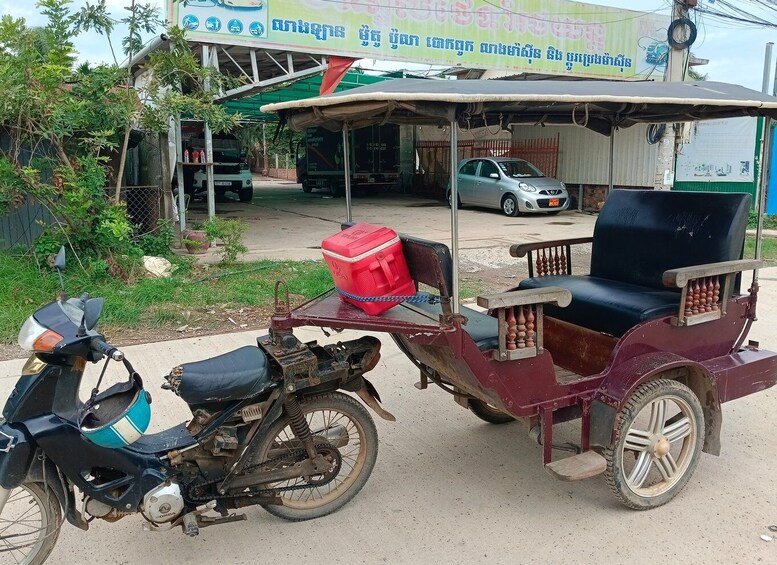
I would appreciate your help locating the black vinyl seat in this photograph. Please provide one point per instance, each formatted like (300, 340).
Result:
(639, 235)
(236, 375)
(482, 328)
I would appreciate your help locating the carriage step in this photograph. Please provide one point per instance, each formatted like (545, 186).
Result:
(577, 467)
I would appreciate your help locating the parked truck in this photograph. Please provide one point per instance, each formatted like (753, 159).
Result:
(374, 159)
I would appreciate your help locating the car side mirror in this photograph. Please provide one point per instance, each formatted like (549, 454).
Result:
(92, 311)
(494, 176)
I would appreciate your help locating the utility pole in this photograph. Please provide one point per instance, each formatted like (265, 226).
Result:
(675, 70)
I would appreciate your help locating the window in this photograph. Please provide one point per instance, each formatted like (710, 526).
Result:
(518, 169)
(469, 168)
(488, 169)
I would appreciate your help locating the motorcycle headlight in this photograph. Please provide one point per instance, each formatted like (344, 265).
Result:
(526, 187)
(34, 337)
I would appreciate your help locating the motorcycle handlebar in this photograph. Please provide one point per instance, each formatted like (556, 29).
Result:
(107, 349)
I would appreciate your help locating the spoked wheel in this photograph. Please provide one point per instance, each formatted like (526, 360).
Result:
(659, 437)
(488, 413)
(29, 525)
(339, 421)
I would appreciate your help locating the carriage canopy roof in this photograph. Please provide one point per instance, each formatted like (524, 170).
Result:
(597, 105)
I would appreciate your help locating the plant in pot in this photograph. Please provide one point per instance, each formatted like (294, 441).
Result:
(197, 239)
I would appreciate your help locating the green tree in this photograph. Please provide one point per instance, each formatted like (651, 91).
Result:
(61, 121)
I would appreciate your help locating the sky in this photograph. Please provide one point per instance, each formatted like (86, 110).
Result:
(736, 53)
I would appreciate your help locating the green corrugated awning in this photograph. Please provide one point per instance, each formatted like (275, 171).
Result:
(304, 88)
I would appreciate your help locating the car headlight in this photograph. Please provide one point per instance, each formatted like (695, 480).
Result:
(526, 187)
(34, 337)
(563, 186)
(243, 166)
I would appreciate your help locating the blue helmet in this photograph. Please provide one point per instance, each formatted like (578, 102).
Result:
(119, 416)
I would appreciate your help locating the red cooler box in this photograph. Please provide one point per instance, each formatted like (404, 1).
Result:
(367, 260)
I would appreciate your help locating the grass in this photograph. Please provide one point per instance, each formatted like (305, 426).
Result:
(153, 302)
(768, 249)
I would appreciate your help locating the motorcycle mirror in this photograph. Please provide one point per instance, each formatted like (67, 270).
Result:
(92, 310)
(59, 262)
(59, 265)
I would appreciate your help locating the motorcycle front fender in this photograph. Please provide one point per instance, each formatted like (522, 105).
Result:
(16, 454)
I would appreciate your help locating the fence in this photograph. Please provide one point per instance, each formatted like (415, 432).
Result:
(23, 224)
(145, 206)
(434, 158)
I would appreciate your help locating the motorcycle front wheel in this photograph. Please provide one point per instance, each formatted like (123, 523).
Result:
(335, 419)
(29, 525)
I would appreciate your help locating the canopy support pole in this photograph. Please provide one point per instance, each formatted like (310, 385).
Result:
(763, 182)
(211, 191)
(611, 164)
(454, 217)
(179, 175)
(347, 171)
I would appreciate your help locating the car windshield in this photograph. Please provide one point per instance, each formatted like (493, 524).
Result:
(519, 169)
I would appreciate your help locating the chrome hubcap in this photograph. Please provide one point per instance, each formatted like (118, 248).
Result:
(508, 206)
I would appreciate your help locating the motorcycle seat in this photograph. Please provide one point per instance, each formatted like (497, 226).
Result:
(239, 374)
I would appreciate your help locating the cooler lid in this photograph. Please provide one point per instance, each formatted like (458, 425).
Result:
(358, 239)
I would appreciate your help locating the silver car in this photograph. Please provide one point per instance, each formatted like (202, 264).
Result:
(513, 185)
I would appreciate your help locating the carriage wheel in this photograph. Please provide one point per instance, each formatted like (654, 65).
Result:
(659, 436)
(488, 413)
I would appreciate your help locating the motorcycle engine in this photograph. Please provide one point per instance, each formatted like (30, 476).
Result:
(163, 503)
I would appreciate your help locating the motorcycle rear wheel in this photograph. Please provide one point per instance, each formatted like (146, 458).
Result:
(29, 524)
(335, 418)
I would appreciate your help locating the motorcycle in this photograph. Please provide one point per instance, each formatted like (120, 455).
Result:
(269, 426)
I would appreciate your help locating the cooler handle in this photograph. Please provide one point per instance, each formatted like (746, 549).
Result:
(390, 278)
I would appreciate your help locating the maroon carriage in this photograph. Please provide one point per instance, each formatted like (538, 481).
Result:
(643, 350)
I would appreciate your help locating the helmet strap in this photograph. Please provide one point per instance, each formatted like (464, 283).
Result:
(96, 388)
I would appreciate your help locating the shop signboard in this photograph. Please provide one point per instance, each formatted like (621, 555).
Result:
(533, 36)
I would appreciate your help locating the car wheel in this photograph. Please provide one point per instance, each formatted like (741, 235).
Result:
(245, 194)
(448, 198)
(510, 206)
(306, 188)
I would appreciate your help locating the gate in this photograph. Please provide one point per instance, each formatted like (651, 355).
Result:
(434, 158)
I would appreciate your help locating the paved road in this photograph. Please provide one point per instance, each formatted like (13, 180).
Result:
(448, 488)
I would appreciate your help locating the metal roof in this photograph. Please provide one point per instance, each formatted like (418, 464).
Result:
(297, 90)
(597, 105)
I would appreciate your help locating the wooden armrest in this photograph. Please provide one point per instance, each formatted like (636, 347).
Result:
(521, 249)
(560, 296)
(678, 278)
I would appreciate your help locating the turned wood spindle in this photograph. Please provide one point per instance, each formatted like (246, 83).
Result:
(716, 293)
(521, 341)
(710, 293)
(510, 319)
(529, 326)
(688, 300)
(556, 261)
(563, 262)
(538, 265)
(696, 294)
